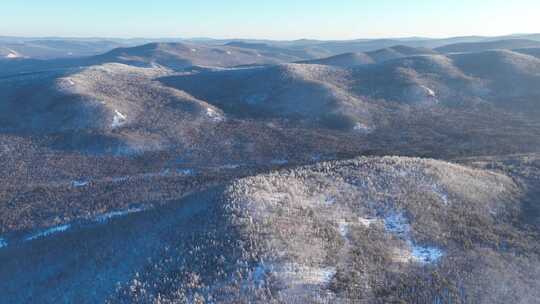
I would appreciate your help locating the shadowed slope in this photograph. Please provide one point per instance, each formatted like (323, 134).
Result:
(312, 92)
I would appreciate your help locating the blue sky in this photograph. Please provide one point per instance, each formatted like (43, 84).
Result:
(274, 19)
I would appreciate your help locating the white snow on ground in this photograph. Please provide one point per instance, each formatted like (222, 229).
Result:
(367, 222)
(194, 50)
(115, 214)
(361, 127)
(79, 184)
(215, 116)
(229, 53)
(397, 224)
(58, 229)
(3, 243)
(429, 92)
(426, 254)
(294, 274)
(186, 171)
(230, 166)
(165, 172)
(48, 232)
(442, 195)
(119, 119)
(299, 275)
(327, 274)
(12, 55)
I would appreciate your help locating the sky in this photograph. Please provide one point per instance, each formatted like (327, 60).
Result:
(270, 19)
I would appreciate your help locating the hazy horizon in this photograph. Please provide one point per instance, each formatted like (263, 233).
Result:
(242, 19)
(263, 38)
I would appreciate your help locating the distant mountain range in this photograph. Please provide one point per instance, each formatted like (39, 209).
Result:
(489, 45)
(58, 47)
(121, 95)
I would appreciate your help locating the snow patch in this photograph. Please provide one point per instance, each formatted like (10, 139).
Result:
(214, 115)
(230, 166)
(79, 184)
(12, 55)
(119, 119)
(186, 171)
(441, 194)
(422, 254)
(3, 243)
(229, 53)
(297, 274)
(362, 127)
(48, 232)
(327, 274)
(429, 92)
(194, 50)
(367, 222)
(294, 274)
(115, 214)
(397, 224)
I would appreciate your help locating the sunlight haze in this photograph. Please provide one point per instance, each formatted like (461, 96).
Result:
(280, 19)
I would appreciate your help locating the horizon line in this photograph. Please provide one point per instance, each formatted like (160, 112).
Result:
(269, 39)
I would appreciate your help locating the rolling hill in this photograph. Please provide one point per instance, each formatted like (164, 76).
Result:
(182, 55)
(343, 60)
(174, 56)
(378, 56)
(319, 93)
(59, 48)
(501, 78)
(107, 105)
(120, 108)
(529, 51)
(508, 44)
(411, 229)
(6, 54)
